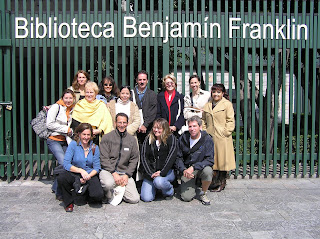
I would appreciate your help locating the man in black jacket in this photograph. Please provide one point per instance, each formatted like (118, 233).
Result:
(195, 159)
(146, 100)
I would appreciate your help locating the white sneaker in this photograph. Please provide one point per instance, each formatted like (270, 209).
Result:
(117, 196)
(204, 198)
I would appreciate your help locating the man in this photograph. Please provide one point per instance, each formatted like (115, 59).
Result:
(146, 100)
(119, 155)
(195, 159)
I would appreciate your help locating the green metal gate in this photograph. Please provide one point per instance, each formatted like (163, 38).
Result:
(271, 72)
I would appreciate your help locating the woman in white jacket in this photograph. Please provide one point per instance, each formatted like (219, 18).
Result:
(59, 121)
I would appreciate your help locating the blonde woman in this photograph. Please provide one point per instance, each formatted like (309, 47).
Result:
(93, 111)
(158, 154)
(171, 104)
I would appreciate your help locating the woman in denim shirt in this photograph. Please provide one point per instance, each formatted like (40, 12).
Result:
(82, 165)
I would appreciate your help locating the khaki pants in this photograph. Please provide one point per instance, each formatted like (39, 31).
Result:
(131, 194)
(188, 186)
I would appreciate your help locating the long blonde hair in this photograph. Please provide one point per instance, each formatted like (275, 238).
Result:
(161, 123)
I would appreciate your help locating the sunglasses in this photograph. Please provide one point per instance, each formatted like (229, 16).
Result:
(107, 84)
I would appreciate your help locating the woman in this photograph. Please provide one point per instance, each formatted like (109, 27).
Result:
(195, 101)
(124, 105)
(93, 111)
(78, 85)
(171, 104)
(108, 90)
(218, 121)
(81, 161)
(158, 154)
(59, 121)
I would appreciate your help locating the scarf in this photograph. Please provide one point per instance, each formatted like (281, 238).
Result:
(95, 113)
(166, 96)
(68, 113)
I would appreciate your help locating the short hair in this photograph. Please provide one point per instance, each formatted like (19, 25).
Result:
(75, 84)
(195, 118)
(142, 72)
(163, 123)
(82, 127)
(69, 91)
(93, 86)
(122, 115)
(170, 76)
(194, 76)
(115, 89)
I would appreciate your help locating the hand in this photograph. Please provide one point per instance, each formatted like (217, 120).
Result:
(85, 175)
(188, 172)
(70, 132)
(117, 178)
(173, 128)
(96, 131)
(82, 181)
(156, 174)
(142, 129)
(124, 179)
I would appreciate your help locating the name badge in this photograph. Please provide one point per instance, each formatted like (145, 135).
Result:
(126, 149)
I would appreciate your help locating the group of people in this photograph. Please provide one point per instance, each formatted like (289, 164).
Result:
(107, 138)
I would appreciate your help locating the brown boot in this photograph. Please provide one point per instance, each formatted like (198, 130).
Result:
(215, 181)
(223, 181)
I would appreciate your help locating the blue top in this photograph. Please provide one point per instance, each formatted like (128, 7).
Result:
(104, 99)
(74, 156)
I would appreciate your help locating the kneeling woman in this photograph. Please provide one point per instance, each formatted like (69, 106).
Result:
(158, 154)
(81, 161)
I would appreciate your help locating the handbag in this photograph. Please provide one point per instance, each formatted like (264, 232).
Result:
(39, 124)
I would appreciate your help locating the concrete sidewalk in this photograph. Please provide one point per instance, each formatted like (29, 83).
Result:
(247, 208)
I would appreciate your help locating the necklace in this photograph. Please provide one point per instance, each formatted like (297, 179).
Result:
(87, 149)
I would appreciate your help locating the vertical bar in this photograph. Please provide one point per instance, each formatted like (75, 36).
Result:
(306, 94)
(166, 46)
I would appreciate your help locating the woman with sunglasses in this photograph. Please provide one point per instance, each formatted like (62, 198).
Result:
(108, 90)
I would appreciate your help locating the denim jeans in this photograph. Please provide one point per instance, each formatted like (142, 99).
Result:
(148, 188)
(57, 148)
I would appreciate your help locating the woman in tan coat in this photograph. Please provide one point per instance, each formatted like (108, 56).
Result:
(124, 105)
(218, 121)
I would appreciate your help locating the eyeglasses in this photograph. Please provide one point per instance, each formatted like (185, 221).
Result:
(169, 83)
(157, 128)
(107, 84)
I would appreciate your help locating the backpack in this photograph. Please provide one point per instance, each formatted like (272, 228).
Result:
(39, 124)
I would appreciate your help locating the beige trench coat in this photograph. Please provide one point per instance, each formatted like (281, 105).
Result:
(219, 123)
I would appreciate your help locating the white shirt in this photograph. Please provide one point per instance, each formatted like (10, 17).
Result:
(194, 141)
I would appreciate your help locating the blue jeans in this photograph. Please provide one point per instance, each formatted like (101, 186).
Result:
(148, 188)
(57, 148)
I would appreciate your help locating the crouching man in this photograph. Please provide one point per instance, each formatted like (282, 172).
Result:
(119, 155)
(195, 159)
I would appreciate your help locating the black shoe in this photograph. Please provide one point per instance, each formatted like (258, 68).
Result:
(168, 198)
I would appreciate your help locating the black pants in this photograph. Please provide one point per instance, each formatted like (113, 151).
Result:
(66, 180)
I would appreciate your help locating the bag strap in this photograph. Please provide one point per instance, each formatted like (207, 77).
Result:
(93, 149)
(191, 98)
